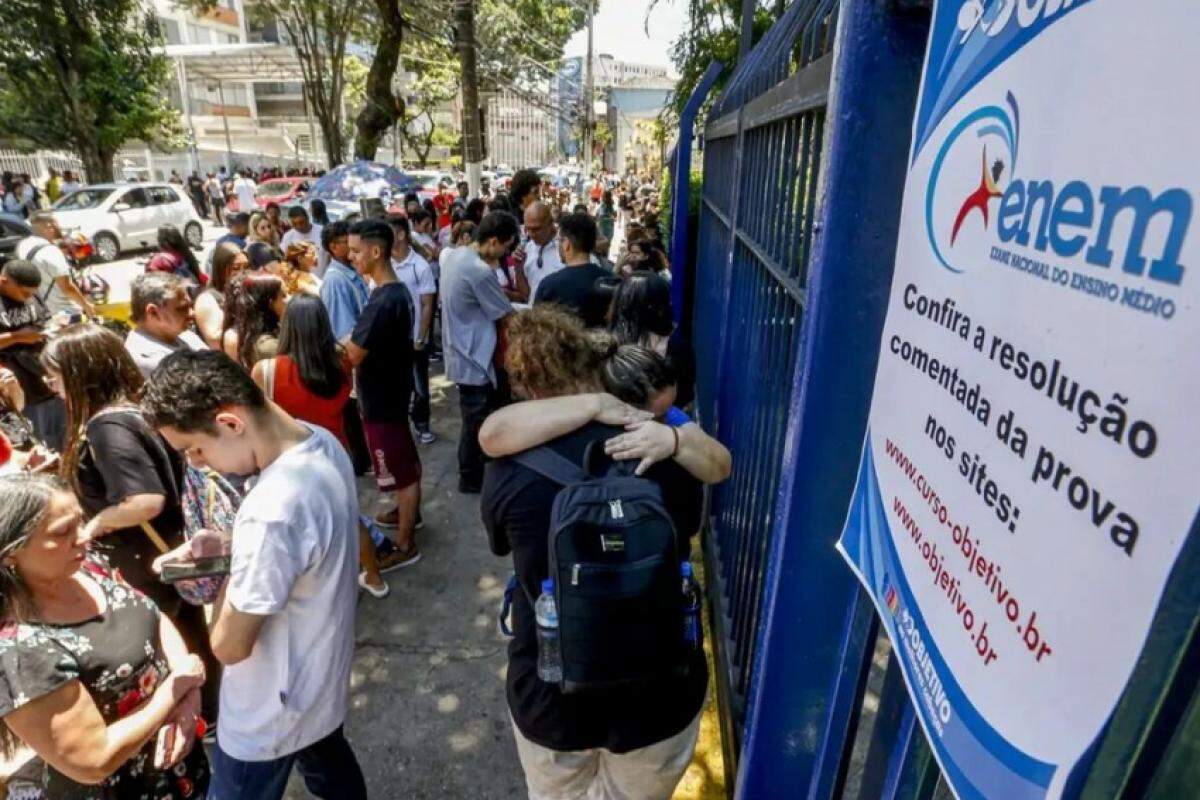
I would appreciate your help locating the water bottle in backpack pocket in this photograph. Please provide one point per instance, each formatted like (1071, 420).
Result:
(549, 664)
(614, 562)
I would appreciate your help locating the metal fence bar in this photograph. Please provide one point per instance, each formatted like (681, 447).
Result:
(802, 690)
(681, 187)
(900, 765)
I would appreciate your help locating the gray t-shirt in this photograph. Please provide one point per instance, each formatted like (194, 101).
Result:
(148, 351)
(472, 302)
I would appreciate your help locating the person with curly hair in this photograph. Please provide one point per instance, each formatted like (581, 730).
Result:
(299, 263)
(633, 743)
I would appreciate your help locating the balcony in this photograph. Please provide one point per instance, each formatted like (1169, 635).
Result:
(225, 16)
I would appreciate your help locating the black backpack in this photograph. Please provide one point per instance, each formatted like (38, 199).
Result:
(615, 562)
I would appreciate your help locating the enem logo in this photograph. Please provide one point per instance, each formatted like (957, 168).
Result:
(1073, 219)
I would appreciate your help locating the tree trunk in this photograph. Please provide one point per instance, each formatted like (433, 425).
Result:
(97, 161)
(381, 109)
(331, 133)
(464, 40)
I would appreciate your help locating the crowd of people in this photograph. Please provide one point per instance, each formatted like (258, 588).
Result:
(235, 415)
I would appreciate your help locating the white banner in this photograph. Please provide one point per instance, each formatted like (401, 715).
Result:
(1032, 466)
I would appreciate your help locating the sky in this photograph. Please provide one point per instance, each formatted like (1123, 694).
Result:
(620, 31)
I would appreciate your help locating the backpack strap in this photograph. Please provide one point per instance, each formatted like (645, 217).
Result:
(549, 464)
(29, 257)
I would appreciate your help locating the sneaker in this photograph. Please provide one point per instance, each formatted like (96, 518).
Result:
(378, 592)
(397, 558)
(426, 436)
(391, 519)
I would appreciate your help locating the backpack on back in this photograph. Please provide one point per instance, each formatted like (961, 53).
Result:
(615, 563)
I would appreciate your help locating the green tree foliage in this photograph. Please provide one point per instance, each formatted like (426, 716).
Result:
(83, 75)
(712, 34)
(520, 42)
(437, 79)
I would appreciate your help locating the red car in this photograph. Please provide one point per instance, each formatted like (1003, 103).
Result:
(284, 191)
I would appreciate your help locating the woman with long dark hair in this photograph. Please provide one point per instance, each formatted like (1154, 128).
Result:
(641, 314)
(128, 480)
(252, 329)
(92, 676)
(175, 256)
(228, 261)
(310, 376)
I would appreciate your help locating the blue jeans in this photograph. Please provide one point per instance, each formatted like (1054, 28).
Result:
(328, 767)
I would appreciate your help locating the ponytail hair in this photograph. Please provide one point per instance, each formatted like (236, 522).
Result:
(635, 374)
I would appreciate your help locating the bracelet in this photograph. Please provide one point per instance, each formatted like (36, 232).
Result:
(675, 452)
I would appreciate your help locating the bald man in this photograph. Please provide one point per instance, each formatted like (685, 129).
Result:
(542, 258)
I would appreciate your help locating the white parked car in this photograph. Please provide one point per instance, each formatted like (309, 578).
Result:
(126, 216)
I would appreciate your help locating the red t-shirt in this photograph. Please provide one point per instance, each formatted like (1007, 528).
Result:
(295, 398)
(442, 205)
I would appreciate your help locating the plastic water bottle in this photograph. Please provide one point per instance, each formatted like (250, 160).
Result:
(691, 607)
(549, 649)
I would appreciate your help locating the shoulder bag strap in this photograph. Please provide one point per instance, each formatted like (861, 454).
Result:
(269, 377)
(29, 257)
(548, 463)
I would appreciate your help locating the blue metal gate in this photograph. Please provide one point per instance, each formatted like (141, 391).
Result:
(804, 164)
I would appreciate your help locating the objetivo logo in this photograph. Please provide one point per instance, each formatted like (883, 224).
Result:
(983, 145)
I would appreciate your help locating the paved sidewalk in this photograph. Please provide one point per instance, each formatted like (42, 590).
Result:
(428, 717)
(428, 714)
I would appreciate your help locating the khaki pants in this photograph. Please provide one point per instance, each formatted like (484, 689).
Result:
(650, 773)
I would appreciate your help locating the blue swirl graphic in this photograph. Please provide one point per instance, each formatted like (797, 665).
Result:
(1003, 127)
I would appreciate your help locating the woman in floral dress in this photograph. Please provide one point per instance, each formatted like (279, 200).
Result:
(93, 678)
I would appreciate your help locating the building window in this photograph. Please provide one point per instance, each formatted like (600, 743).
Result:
(198, 35)
(170, 30)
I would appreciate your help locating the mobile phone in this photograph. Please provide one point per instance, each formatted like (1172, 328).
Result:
(173, 571)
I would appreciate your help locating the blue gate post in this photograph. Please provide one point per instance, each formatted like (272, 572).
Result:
(680, 188)
(815, 635)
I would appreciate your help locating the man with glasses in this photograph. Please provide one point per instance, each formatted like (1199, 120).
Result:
(161, 310)
(542, 258)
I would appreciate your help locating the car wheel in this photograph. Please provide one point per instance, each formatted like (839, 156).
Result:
(194, 235)
(106, 246)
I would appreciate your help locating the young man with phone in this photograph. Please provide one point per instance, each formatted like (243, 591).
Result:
(283, 626)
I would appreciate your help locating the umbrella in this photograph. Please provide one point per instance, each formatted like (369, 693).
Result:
(362, 179)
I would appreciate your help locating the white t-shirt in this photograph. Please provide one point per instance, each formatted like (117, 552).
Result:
(70, 186)
(295, 559)
(148, 351)
(314, 235)
(551, 262)
(244, 188)
(417, 276)
(51, 262)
